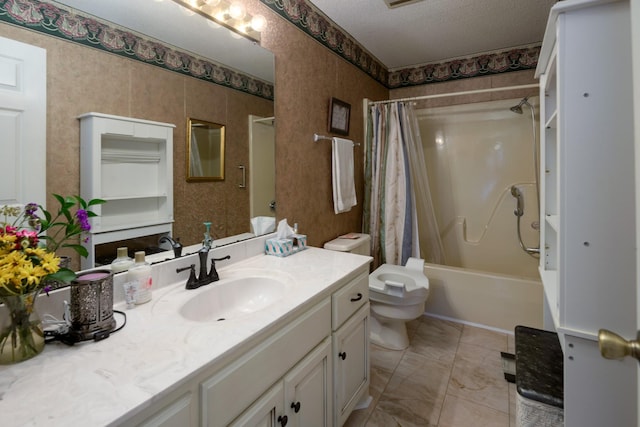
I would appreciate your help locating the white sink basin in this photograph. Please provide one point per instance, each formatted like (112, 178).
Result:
(233, 298)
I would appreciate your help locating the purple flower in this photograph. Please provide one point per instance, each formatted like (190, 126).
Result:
(83, 218)
(30, 209)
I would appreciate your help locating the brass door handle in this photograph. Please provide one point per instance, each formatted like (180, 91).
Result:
(244, 176)
(613, 346)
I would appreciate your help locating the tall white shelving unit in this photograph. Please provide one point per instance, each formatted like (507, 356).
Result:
(587, 261)
(129, 163)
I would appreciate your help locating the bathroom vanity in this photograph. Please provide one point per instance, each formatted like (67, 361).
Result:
(297, 354)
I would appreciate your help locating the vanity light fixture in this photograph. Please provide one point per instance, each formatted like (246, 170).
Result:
(230, 14)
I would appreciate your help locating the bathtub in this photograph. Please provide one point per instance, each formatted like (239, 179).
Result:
(487, 299)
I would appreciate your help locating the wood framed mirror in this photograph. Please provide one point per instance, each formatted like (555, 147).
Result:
(205, 151)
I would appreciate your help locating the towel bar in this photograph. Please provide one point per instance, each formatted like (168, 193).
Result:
(317, 138)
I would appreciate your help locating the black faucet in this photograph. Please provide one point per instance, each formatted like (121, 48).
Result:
(204, 278)
(175, 245)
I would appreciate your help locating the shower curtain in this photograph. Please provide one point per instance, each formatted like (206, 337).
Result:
(398, 211)
(194, 152)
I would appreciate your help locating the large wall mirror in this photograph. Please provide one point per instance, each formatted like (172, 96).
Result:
(166, 21)
(205, 151)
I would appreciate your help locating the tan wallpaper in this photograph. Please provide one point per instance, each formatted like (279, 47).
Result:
(308, 75)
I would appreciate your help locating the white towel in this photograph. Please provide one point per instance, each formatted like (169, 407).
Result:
(344, 187)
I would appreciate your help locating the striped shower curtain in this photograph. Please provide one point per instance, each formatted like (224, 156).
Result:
(398, 211)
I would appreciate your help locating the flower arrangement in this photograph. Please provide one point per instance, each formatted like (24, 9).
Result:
(28, 243)
(28, 263)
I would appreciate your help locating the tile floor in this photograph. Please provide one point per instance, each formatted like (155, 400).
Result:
(450, 376)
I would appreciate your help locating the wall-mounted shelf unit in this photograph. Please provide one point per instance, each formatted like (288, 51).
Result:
(129, 163)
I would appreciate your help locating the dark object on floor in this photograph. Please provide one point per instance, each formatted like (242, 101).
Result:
(539, 378)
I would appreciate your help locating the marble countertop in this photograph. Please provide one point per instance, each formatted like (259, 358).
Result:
(104, 382)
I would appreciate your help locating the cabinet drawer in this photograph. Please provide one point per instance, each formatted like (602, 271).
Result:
(350, 298)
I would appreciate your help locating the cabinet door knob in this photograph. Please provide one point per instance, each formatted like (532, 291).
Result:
(295, 406)
(358, 298)
(283, 420)
(613, 346)
(342, 355)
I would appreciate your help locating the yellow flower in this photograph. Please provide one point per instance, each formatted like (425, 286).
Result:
(48, 261)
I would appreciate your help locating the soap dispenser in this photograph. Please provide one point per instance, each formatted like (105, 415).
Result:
(140, 274)
(123, 261)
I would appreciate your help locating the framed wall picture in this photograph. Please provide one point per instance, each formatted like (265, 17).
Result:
(339, 115)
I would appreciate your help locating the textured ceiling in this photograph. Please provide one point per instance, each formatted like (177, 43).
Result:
(436, 30)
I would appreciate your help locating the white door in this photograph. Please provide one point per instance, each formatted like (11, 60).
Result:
(23, 109)
(635, 52)
(262, 172)
(635, 45)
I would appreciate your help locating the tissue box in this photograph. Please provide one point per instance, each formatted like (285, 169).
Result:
(279, 247)
(285, 247)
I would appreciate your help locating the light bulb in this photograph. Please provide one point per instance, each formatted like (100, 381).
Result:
(237, 10)
(258, 23)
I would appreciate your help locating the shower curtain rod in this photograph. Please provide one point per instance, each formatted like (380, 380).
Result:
(444, 95)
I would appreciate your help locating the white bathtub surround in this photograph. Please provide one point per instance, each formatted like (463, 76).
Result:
(474, 154)
(476, 297)
(106, 382)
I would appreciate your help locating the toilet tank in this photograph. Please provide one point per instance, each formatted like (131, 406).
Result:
(355, 243)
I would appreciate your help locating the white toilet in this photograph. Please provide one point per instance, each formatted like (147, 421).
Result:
(397, 294)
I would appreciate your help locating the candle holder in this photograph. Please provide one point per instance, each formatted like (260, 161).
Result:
(91, 307)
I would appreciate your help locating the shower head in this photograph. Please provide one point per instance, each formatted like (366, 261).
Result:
(518, 108)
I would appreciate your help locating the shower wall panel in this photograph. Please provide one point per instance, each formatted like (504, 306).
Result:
(474, 154)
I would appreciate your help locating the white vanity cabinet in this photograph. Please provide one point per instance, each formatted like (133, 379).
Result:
(350, 325)
(229, 394)
(328, 383)
(302, 399)
(129, 163)
(295, 357)
(308, 370)
(587, 261)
